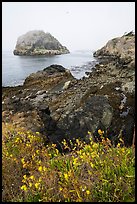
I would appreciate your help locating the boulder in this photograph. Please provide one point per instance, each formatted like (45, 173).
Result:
(93, 114)
(51, 78)
(38, 42)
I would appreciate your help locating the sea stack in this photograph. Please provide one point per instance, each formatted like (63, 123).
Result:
(38, 42)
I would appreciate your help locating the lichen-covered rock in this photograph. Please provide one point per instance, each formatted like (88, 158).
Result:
(120, 48)
(38, 43)
(52, 78)
(95, 113)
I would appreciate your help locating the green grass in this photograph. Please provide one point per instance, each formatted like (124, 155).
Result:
(94, 172)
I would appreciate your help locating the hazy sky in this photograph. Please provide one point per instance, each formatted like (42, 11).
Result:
(77, 25)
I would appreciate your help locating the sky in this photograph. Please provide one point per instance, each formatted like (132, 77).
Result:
(76, 25)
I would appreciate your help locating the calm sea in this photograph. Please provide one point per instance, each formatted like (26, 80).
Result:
(16, 68)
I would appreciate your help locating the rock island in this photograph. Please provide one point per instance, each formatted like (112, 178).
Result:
(38, 42)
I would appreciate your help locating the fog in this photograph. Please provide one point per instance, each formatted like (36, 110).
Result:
(77, 25)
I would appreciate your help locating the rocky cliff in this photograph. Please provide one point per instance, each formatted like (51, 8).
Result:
(58, 106)
(121, 49)
(38, 43)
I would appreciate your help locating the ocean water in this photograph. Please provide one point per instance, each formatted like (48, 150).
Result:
(16, 68)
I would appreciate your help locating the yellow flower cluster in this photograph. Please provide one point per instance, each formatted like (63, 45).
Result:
(87, 192)
(73, 176)
(37, 185)
(100, 132)
(24, 187)
(40, 168)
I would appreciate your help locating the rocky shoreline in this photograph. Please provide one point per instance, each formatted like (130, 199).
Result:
(59, 106)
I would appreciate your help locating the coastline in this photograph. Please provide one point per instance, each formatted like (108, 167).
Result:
(21, 66)
(65, 106)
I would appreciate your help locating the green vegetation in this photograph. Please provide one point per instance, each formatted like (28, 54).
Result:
(94, 172)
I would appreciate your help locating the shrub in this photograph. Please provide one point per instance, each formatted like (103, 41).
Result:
(95, 172)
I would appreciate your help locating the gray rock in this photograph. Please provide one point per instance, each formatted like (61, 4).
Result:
(129, 87)
(121, 48)
(96, 112)
(38, 43)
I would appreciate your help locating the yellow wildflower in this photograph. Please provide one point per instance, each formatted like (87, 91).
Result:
(19, 133)
(57, 151)
(122, 149)
(28, 132)
(17, 139)
(75, 161)
(37, 151)
(25, 177)
(30, 184)
(118, 145)
(87, 154)
(53, 145)
(24, 165)
(44, 168)
(91, 164)
(100, 132)
(40, 168)
(87, 192)
(37, 133)
(95, 145)
(64, 142)
(28, 145)
(37, 185)
(22, 160)
(24, 187)
(77, 141)
(66, 176)
(31, 177)
(7, 154)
